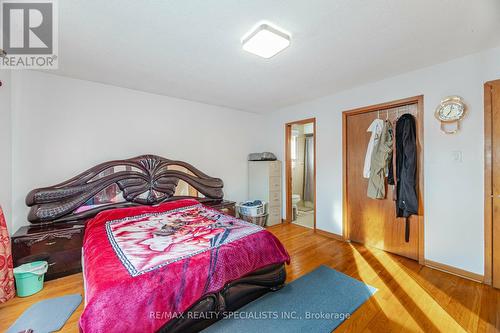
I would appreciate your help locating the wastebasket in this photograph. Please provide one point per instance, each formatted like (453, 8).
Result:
(252, 208)
(259, 219)
(29, 277)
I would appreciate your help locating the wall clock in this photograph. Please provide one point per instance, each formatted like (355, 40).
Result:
(450, 111)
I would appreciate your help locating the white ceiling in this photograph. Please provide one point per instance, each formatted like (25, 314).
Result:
(191, 48)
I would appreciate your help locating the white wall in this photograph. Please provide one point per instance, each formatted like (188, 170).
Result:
(5, 147)
(63, 126)
(453, 194)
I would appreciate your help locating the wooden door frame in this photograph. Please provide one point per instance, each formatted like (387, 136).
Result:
(419, 100)
(488, 183)
(288, 167)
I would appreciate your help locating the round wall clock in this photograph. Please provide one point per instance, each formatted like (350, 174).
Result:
(450, 111)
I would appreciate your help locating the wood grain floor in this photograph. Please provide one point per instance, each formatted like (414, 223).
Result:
(410, 297)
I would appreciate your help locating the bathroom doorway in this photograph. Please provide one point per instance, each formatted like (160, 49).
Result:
(300, 151)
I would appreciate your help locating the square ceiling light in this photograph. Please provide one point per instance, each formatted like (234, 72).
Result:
(265, 41)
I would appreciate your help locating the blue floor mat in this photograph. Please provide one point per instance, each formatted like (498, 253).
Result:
(317, 302)
(48, 315)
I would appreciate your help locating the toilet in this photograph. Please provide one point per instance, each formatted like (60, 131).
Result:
(295, 201)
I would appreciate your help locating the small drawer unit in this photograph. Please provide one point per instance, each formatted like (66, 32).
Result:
(59, 244)
(264, 183)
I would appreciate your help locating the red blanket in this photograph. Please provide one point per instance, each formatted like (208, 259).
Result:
(143, 266)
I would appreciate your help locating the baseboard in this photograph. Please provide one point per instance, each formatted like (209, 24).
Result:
(329, 234)
(455, 271)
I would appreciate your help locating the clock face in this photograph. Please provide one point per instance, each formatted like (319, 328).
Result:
(451, 109)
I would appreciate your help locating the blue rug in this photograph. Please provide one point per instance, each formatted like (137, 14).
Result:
(48, 315)
(317, 302)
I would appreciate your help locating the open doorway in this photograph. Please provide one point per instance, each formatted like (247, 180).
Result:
(301, 173)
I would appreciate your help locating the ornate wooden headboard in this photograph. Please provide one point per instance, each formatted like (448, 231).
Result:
(142, 180)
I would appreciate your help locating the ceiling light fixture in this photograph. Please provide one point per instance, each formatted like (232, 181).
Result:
(265, 40)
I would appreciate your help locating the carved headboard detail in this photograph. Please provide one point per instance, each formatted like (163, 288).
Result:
(142, 180)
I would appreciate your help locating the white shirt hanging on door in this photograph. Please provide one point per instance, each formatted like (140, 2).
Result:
(376, 129)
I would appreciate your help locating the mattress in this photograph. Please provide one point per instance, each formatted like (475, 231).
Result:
(145, 266)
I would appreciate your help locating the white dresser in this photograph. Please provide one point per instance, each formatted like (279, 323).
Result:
(264, 183)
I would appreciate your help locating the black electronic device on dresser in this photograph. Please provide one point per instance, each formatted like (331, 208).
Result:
(60, 243)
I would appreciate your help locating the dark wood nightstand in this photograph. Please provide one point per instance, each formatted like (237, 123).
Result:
(60, 244)
(225, 206)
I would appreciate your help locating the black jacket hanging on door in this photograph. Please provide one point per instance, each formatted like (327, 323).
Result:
(406, 167)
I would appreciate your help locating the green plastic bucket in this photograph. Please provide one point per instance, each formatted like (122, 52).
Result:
(29, 277)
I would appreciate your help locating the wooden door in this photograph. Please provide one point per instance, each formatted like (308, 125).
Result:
(494, 92)
(370, 221)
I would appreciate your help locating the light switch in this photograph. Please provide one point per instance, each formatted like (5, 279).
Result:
(456, 156)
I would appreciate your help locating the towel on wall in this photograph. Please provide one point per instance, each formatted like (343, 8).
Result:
(7, 290)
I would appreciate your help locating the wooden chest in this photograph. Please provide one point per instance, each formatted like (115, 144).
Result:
(59, 244)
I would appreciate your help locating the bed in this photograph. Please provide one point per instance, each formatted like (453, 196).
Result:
(155, 259)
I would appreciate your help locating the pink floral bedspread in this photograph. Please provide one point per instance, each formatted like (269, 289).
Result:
(145, 265)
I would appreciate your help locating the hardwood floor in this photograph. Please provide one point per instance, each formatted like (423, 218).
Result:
(410, 297)
(72, 284)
